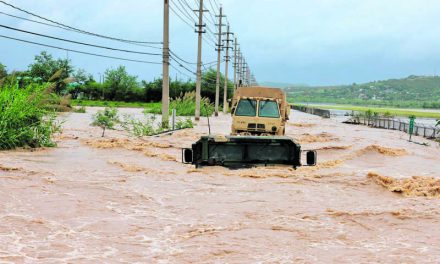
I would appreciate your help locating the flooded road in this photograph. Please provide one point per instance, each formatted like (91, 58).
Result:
(372, 198)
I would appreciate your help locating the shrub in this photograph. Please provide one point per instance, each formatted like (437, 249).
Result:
(150, 127)
(24, 118)
(106, 119)
(185, 106)
(186, 123)
(81, 109)
(140, 128)
(387, 114)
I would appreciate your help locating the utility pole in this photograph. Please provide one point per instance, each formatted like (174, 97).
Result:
(225, 89)
(248, 76)
(243, 72)
(235, 64)
(239, 81)
(165, 65)
(219, 50)
(200, 31)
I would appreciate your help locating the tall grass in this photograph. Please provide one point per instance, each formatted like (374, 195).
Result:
(113, 104)
(185, 106)
(25, 120)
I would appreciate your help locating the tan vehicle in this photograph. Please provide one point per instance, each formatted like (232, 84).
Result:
(259, 111)
(259, 116)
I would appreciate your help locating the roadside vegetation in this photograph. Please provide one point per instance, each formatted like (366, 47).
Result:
(115, 88)
(118, 104)
(147, 126)
(184, 105)
(81, 109)
(150, 125)
(25, 118)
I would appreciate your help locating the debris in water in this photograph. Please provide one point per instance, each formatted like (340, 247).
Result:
(137, 145)
(302, 124)
(163, 156)
(6, 168)
(322, 137)
(335, 147)
(414, 186)
(329, 164)
(383, 150)
(127, 167)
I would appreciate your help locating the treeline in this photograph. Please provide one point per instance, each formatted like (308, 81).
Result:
(117, 84)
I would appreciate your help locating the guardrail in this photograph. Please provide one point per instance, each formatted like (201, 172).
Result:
(311, 110)
(429, 132)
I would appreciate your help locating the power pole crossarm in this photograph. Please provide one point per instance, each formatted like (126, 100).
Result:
(166, 65)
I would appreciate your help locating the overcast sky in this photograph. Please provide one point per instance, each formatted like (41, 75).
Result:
(316, 42)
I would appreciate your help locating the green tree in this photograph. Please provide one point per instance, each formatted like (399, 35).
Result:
(120, 86)
(153, 90)
(82, 77)
(3, 72)
(51, 70)
(45, 67)
(209, 79)
(106, 119)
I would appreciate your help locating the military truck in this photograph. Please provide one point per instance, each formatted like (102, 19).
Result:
(259, 116)
(260, 111)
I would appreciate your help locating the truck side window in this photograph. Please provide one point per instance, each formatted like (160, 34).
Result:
(269, 109)
(246, 107)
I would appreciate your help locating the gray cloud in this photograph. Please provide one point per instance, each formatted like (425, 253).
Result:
(315, 41)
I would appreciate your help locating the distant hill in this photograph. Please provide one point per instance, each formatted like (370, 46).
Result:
(413, 91)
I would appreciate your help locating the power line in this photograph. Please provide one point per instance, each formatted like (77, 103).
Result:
(80, 52)
(211, 13)
(191, 26)
(185, 61)
(187, 69)
(80, 43)
(175, 68)
(186, 11)
(67, 29)
(215, 2)
(175, 56)
(77, 29)
(186, 3)
(181, 18)
(212, 6)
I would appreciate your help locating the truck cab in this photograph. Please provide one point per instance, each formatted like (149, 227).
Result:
(259, 111)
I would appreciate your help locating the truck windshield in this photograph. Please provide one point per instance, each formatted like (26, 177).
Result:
(246, 107)
(269, 109)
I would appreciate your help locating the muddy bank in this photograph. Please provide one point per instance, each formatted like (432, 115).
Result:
(121, 199)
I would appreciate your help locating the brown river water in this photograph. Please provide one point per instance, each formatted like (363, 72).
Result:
(373, 198)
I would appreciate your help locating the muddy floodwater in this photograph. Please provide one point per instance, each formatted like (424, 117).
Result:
(373, 198)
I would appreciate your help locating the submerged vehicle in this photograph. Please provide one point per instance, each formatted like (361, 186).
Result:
(259, 116)
(259, 111)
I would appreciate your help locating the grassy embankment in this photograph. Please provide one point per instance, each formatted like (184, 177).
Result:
(114, 104)
(380, 110)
